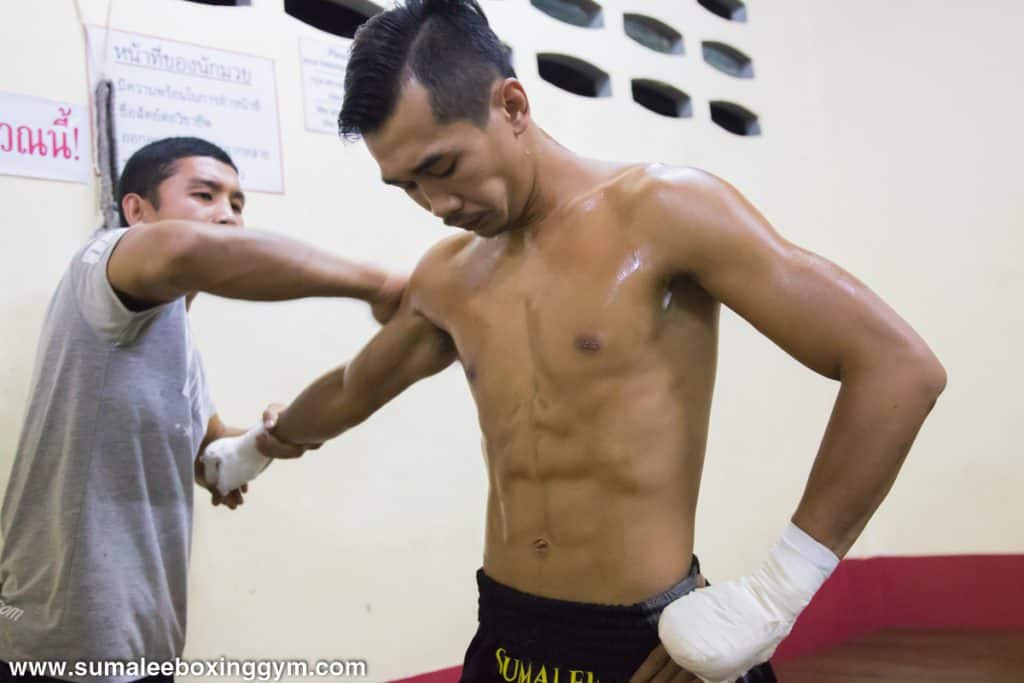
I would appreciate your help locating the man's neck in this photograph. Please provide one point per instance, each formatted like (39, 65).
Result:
(559, 176)
(554, 170)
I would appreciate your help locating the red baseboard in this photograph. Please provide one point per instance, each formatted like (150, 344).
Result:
(961, 592)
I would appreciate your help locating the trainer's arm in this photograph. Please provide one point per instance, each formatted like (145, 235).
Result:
(408, 348)
(830, 322)
(162, 261)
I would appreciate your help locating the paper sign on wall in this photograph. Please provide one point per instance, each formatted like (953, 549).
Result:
(163, 88)
(323, 81)
(42, 138)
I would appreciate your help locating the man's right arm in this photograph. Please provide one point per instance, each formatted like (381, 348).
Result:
(407, 349)
(162, 261)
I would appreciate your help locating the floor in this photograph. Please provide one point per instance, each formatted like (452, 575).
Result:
(932, 656)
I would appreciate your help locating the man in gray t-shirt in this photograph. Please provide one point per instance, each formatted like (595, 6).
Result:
(97, 518)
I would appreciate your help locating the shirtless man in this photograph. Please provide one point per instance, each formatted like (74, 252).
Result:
(582, 301)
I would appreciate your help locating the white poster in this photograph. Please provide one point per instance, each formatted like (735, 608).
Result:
(41, 138)
(163, 88)
(323, 81)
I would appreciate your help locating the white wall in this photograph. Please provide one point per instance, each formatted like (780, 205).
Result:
(890, 145)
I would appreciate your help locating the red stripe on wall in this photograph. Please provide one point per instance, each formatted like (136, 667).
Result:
(962, 592)
(443, 676)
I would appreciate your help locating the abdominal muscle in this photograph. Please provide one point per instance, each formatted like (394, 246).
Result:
(599, 515)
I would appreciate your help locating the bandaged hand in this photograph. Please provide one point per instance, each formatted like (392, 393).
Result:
(722, 631)
(232, 461)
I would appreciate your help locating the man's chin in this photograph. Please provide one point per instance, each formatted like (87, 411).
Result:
(491, 228)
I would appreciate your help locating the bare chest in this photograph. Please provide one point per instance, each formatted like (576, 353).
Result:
(569, 311)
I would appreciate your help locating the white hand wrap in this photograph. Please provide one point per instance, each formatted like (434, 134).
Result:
(722, 631)
(234, 460)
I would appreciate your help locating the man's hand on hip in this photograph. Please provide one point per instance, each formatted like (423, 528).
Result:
(659, 668)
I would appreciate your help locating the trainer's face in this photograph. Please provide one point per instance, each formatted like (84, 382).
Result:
(201, 189)
(464, 175)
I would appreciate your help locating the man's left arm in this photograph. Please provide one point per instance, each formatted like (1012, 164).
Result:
(832, 323)
(829, 321)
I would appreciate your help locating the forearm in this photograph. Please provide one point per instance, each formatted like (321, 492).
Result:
(876, 418)
(247, 264)
(324, 409)
(407, 349)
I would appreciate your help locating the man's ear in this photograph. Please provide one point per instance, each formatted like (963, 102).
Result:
(511, 99)
(135, 208)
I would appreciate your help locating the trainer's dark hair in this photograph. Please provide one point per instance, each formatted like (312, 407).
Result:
(447, 45)
(158, 161)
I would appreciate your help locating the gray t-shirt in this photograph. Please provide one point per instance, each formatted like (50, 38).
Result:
(97, 519)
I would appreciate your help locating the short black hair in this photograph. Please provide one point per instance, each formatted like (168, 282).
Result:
(158, 161)
(447, 45)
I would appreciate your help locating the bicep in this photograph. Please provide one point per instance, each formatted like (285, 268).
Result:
(814, 310)
(811, 308)
(140, 266)
(405, 350)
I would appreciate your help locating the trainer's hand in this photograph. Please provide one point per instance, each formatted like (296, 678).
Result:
(659, 668)
(385, 302)
(721, 632)
(273, 447)
(268, 443)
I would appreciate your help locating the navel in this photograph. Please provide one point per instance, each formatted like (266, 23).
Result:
(587, 343)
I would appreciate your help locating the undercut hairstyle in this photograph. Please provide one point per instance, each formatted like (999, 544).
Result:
(446, 45)
(158, 161)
